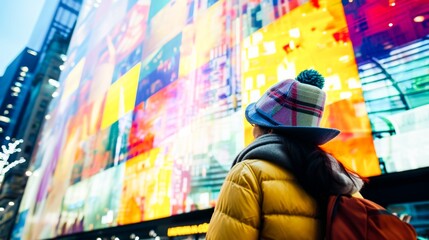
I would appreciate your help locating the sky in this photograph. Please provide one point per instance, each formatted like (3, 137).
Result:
(17, 20)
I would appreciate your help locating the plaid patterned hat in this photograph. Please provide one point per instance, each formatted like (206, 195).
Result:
(294, 107)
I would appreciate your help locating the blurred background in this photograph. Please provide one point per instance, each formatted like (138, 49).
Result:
(119, 119)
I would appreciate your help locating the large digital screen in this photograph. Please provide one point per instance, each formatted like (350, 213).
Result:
(150, 111)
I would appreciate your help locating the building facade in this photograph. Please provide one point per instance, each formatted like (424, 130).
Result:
(149, 108)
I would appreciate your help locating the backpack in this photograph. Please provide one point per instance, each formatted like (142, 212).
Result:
(353, 218)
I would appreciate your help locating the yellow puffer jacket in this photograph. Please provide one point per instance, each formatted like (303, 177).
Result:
(260, 200)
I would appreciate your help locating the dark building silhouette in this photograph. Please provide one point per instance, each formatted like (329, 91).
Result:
(14, 89)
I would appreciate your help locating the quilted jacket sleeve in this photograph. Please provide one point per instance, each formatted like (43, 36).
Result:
(237, 214)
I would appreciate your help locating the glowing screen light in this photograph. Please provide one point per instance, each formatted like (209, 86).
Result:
(149, 113)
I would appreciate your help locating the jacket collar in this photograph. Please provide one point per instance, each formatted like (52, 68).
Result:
(269, 147)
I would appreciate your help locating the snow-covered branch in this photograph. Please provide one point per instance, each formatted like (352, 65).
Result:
(5, 153)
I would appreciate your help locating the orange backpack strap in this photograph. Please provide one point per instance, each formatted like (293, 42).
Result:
(345, 227)
(331, 212)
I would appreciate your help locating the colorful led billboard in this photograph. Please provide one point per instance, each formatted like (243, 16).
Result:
(150, 111)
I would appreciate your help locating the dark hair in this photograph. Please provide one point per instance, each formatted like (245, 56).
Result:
(312, 167)
(265, 130)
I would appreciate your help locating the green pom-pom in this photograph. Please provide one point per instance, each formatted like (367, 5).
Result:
(311, 77)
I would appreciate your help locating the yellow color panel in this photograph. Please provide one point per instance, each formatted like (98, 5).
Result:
(187, 61)
(146, 188)
(317, 38)
(121, 97)
(71, 83)
(210, 32)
